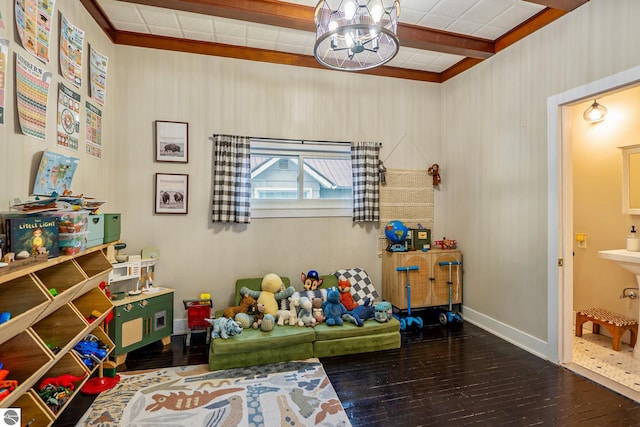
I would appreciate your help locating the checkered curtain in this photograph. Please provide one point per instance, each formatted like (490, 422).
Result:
(231, 179)
(366, 177)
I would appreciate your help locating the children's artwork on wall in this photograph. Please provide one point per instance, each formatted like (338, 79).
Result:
(33, 23)
(71, 48)
(97, 75)
(55, 173)
(1, 21)
(93, 142)
(32, 92)
(4, 56)
(68, 118)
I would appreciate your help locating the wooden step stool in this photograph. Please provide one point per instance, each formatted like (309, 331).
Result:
(615, 323)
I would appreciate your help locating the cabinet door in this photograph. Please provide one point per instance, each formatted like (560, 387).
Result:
(395, 289)
(159, 321)
(440, 294)
(128, 327)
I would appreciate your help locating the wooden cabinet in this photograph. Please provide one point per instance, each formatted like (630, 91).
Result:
(140, 320)
(429, 287)
(53, 305)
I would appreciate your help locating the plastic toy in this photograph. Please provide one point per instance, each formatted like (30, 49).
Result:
(5, 316)
(450, 315)
(408, 320)
(65, 380)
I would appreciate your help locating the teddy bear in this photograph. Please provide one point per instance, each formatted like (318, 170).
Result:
(223, 327)
(344, 286)
(316, 310)
(272, 290)
(305, 315)
(311, 281)
(258, 314)
(333, 308)
(246, 302)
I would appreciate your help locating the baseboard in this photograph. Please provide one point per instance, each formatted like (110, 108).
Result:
(508, 333)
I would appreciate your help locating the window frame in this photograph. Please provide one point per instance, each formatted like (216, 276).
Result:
(300, 207)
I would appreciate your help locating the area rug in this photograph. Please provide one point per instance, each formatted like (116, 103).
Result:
(296, 393)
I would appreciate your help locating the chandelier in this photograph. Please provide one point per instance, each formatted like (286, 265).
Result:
(356, 34)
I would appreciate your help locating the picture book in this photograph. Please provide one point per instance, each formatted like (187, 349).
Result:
(32, 234)
(55, 174)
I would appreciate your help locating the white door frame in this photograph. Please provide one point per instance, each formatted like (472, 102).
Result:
(560, 210)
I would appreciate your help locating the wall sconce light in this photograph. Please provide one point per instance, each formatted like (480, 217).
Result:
(595, 113)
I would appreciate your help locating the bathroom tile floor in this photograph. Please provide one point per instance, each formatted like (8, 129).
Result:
(594, 352)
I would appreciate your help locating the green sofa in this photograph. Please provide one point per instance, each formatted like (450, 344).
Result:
(284, 343)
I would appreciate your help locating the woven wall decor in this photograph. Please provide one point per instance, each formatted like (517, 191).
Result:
(408, 197)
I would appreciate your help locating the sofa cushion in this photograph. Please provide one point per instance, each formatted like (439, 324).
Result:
(325, 332)
(255, 340)
(361, 285)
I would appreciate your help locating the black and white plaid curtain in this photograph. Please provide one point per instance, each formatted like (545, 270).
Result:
(231, 179)
(366, 178)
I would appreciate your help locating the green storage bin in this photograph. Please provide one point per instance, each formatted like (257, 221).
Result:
(96, 230)
(111, 227)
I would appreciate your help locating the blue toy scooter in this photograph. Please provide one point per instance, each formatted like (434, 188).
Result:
(408, 320)
(450, 316)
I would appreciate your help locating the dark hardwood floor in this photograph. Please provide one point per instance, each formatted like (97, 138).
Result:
(458, 375)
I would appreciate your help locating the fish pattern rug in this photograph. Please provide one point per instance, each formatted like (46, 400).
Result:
(296, 393)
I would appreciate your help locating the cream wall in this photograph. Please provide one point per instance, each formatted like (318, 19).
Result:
(20, 154)
(219, 95)
(494, 150)
(597, 201)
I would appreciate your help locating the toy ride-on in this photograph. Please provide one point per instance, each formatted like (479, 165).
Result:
(408, 320)
(450, 316)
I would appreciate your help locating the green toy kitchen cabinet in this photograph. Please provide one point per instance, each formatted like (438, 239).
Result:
(140, 320)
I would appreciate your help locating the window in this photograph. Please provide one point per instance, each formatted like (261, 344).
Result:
(300, 179)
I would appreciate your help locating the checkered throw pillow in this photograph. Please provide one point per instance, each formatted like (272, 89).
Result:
(361, 285)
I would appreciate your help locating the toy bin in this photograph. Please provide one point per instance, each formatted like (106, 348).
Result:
(73, 221)
(111, 227)
(73, 243)
(96, 230)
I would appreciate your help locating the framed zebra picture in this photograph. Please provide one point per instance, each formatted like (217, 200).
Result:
(172, 193)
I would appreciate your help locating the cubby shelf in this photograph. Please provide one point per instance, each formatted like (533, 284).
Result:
(43, 320)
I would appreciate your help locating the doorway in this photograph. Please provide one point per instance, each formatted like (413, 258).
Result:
(561, 221)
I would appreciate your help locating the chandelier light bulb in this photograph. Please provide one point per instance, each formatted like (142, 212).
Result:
(350, 10)
(376, 12)
(595, 113)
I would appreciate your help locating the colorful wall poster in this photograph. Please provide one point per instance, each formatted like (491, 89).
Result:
(33, 22)
(68, 118)
(4, 57)
(93, 142)
(32, 92)
(55, 173)
(1, 21)
(71, 48)
(97, 75)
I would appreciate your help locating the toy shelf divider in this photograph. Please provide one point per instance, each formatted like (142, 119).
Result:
(34, 409)
(90, 302)
(25, 299)
(64, 278)
(61, 328)
(96, 268)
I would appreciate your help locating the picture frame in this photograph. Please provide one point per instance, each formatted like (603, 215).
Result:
(172, 141)
(172, 193)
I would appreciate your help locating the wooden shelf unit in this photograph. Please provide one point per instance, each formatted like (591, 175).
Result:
(41, 321)
(429, 287)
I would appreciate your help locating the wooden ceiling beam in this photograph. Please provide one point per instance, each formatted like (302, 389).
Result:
(254, 54)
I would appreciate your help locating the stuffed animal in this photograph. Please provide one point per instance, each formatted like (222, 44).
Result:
(333, 308)
(344, 286)
(272, 290)
(224, 327)
(311, 281)
(383, 311)
(288, 315)
(305, 315)
(246, 302)
(317, 310)
(359, 314)
(258, 314)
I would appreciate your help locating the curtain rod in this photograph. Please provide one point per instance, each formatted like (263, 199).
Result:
(292, 140)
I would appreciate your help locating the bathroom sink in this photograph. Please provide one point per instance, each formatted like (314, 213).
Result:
(628, 260)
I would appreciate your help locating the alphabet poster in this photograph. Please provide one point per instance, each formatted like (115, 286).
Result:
(93, 145)
(32, 92)
(98, 75)
(33, 22)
